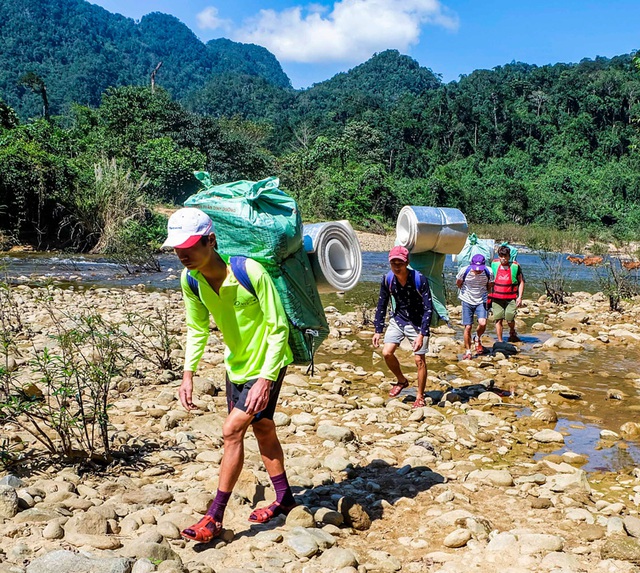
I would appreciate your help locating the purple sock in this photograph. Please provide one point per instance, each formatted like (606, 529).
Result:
(284, 495)
(218, 505)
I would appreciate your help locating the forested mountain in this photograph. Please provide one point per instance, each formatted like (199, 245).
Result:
(79, 50)
(554, 145)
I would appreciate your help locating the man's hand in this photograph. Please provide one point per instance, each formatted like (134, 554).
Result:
(417, 343)
(186, 391)
(375, 341)
(518, 302)
(258, 396)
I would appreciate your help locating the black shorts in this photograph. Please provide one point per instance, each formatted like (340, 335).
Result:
(237, 396)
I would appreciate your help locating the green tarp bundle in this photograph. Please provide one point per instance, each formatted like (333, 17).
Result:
(431, 265)
(258, 220)
(474, 246)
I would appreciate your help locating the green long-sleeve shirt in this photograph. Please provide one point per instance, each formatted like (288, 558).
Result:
(255, 331)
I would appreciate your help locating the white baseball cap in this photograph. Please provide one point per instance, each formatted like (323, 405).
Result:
(186, 226)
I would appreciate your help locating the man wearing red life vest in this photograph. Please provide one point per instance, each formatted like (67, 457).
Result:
(508, 289)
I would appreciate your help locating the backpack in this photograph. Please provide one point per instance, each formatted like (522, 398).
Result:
(468, 270)
(239, 270)
(495, 265)
(302, 341)
(416, 279)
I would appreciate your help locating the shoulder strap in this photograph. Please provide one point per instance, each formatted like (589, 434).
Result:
(417, 279)
(193, 284)
(389, 279)
(239, 270)
(514, 272)
(495, 265)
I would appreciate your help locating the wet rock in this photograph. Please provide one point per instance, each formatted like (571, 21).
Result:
(548, 437)
(8, 502)
(354, 514)
(528, 371)
(63, 561)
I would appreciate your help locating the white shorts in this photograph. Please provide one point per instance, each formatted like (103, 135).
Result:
(395, 335)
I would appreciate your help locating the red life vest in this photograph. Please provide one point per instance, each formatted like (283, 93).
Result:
(505, 286)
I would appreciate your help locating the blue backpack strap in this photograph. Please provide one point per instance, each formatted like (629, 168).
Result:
(468, 270)
(193, 284)
(239, 270)
(417, 279)
(389, 279)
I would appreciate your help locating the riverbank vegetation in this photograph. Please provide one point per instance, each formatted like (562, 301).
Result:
(549, 154)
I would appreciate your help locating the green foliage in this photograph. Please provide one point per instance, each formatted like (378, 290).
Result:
(66, 411)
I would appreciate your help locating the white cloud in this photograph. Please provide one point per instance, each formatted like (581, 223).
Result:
(350, 32)
(208, 19)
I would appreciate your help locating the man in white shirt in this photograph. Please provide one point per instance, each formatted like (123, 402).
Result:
(474, 282)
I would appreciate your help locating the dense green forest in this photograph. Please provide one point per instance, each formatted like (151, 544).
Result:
(552, 145)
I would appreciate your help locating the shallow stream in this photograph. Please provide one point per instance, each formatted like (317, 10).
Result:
(592, 372)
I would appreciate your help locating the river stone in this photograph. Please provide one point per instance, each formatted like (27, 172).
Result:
(528, 371)
(621, 547)
(457, 538)
(562, 561)
(541, 503)
(382, 561)
(303, 419)
(152, 551)
(354, 514)
(592, 532)
(630, 429)
(335, 433)
(335, 462)
(8, 502)
(632, 525)
(63, 561)
(615, 526)
(147, 496)
(328, 517)
(53, 530)
(168, 530)
(300, 516)
(538, 542)
(11, 480)
(503, 542)
(87, 524)
(545, 414)
(562, 482)
(323, 538)
(143, 566)
(36, 515)
(96, 541)
(280, 419)
(494, 477)
(548, 436)
(301, 542)
(337, 558)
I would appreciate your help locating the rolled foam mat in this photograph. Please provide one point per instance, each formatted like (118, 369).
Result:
(334, 252)
(435, 229)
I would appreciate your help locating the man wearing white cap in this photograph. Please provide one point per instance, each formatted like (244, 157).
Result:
(255, 331)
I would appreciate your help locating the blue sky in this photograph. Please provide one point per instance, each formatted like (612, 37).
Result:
(314, 41)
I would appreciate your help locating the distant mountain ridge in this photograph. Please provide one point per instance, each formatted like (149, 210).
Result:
(80, 49)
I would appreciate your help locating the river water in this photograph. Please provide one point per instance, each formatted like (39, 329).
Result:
(592, 372)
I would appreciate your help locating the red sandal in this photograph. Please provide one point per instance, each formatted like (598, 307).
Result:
(203, 531)
(264, 514)
(397, 388)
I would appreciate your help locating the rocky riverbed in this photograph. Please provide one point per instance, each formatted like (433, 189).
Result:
(467, 483)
